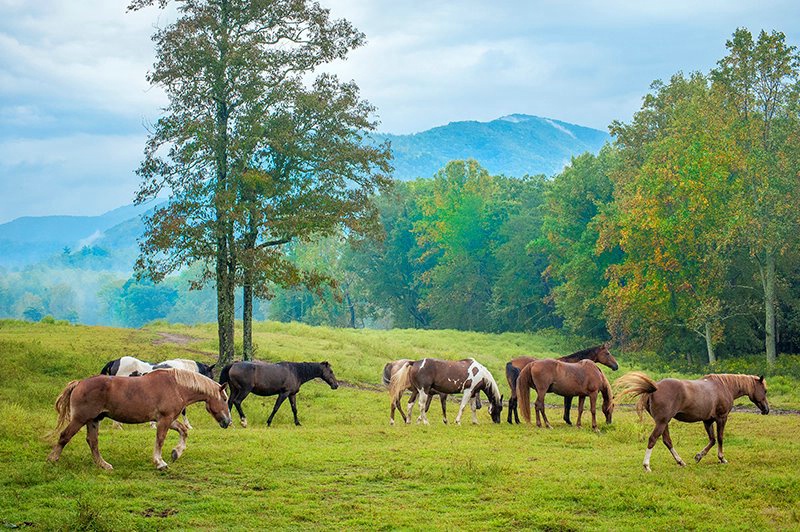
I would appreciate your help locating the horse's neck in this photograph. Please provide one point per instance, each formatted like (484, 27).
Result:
(734, 384)
(586, 354)
(306, 371)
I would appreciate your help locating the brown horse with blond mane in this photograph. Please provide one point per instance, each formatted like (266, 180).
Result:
(709, 399)
(159, 396)
(582, 379)
(598, 354)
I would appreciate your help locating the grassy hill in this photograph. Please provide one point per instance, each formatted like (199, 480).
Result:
(347, 468)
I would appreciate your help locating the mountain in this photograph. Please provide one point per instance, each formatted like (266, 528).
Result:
(31, 239)
(513, 145)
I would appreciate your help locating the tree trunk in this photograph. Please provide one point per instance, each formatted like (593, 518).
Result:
(225, 309)
(712, 357)
(769, 279)
(247, 319)
(351, 308)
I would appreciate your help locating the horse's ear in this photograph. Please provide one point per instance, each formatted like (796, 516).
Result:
(761, 378)
(212, 366)
(325, 363)
(223, 386)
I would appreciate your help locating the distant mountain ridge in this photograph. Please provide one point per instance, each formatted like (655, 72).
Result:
(512, 145)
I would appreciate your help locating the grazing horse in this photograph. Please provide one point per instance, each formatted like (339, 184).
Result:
(158, 396)
(709, 399)
(582, 378)
(282, 379)
(133, 367)
(390, 369)
(598, 354)
(431, 375)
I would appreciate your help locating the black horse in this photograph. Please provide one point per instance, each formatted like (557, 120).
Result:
(282, 379)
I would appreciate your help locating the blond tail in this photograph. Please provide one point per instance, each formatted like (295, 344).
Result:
(399, 383)
(62, 405)
(635, 384)
(524, 385)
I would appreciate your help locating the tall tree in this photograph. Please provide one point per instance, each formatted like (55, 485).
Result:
(761, 81)
(228, 67)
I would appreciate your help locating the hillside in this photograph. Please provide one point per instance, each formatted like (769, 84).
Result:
(345, 467)
(513, 145)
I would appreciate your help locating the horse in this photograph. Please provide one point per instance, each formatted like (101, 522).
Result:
(390, 369)
(158, 396)
(431, 375)
(283, 379)
(598, 354)
(582, 378)
(708, 399)
(128, 366)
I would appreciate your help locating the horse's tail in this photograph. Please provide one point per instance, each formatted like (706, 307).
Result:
(524, 385)
(224, 374)
(638, 384)
(107, 368)
(387, 373)
(512, 374)
(400, 382)
(62, 405)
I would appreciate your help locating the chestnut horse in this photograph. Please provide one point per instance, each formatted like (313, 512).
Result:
(431, 375)
(582, 378)
(709, 399)
(158, 396)
(390, 369)
(598, 354)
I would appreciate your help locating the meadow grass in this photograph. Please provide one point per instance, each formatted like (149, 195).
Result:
(347, 468)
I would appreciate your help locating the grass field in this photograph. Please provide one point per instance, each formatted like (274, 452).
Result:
(347, 468)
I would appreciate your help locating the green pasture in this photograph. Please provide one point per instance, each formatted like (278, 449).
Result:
(346, 468)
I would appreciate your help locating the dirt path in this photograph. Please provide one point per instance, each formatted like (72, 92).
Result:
(181, 340)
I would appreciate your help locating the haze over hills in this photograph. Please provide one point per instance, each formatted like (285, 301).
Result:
(513, 145)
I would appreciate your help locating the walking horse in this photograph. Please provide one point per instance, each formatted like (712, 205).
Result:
(431, 375)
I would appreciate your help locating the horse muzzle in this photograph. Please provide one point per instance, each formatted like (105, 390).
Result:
(764, 409)
(225, 423)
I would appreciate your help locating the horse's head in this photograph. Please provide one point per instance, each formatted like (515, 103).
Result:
(495, 407)
(605, 357)
(608, 409)
(328, 376)
(759, 394)
(217, 406)
(206, 370)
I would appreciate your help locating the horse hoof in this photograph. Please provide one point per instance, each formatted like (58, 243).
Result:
(175, 455)
(189, 427)
(243, 423)
(162, 467)
(682, 463)
(391, 422)
(723, 461)
(698, 457)
(444, 421)
(106, 466)
(647, 468)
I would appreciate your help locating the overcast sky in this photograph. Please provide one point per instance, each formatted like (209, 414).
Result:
(74, 101)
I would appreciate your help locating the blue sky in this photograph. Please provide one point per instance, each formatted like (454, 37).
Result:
(74, 103)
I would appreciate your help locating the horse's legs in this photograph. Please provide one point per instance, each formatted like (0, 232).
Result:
(278, 402)
(424, 403)
(651, 442)
(593, 407)
(711, 440)
(162, 427)
(511, 409)
(186, 420)
(720, 432)
(464, 401)
(540, 408)
(66, 435)
(92, 429)
(581, 402)
(473, 404)
(236, 400)
(183, 432)
(293, 403)
(668, 442)
(567, 407)
(428, 403)
(443, 399)
(410, 406)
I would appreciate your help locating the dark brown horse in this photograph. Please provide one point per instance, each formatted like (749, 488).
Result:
(709, 400)
(598, 354)
(390, 369)
(582, 379)
(431, 375)
(282, 379)
(159, 396)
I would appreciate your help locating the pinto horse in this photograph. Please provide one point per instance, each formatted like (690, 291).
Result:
(282, 379)
(131, 366)
(158, 396)
(582, 378)
(598, 354)
(709, 399)
(431, 375)
(390, 369)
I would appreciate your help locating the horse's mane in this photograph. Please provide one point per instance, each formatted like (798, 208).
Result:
(583, 354)
(495, 390)
(732, 381)
(193, 380)
(306, 370)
